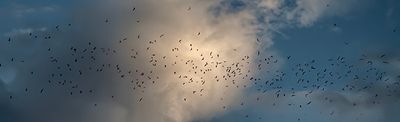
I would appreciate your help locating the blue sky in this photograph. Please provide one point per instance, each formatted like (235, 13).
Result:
(371, 30)
(339, 36)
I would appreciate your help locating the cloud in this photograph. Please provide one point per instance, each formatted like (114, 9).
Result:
(153, 29)
(222, 35)
(21, 31)
(306, 12)
(21, 10)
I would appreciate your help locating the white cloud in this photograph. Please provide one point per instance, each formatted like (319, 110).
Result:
(22, 10)
(21, 31)
(306, 12)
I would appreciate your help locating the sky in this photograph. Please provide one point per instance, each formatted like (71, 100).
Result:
(199, 60)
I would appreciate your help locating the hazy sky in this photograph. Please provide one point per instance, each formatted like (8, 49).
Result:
(199, 60)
